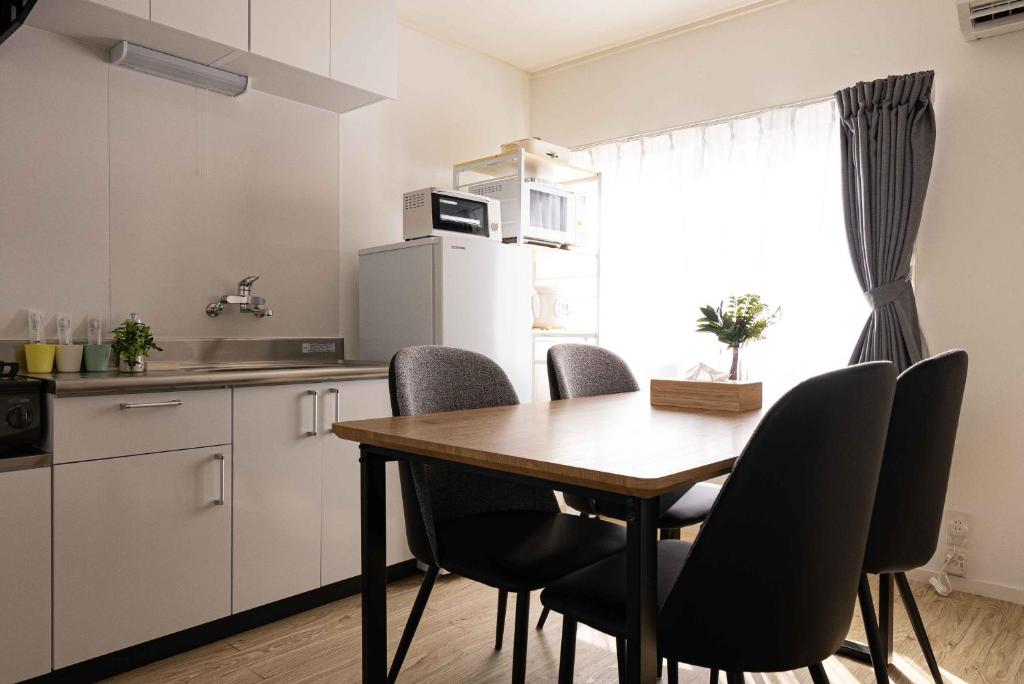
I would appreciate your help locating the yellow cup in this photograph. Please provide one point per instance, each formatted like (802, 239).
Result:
(39, 357)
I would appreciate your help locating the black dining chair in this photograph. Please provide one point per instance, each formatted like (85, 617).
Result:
(758, 592)
(907, 518)
(584, 370)
(501, 533)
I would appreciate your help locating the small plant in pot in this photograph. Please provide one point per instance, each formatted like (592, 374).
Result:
(133, 340)
(745, 319)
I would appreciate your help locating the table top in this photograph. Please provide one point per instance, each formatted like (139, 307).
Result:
(616, 443)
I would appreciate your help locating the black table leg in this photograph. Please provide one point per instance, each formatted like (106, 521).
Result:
(374, 567)
(886, 598)
(641, 590)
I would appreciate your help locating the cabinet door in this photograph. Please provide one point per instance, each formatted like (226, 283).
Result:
(297, 32)
(24, 574)
(354, 400)
(139, 8)
(141, 549)
(278, 478)
(364, 45)
(224, 21)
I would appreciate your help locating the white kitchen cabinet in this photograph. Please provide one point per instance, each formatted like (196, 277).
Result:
(297, 32)
(139, 8)
(223, 21)
(24, 574)
(141, 549)
(354, 400)
(364, 45)
(278, 482)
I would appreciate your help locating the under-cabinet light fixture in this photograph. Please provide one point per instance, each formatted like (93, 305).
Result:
(191, 73)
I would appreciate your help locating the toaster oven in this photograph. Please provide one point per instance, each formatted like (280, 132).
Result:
(433, 211)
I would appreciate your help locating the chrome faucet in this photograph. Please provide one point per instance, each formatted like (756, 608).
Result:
(246, 302)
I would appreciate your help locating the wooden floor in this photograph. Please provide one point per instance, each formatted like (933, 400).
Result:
(976, 640)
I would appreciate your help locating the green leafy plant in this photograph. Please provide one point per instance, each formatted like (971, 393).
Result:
(133, 339)
(745, 319)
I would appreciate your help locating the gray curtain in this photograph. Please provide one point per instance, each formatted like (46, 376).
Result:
(888, 138)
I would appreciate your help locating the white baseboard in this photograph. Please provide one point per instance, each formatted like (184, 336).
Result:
(969, 586)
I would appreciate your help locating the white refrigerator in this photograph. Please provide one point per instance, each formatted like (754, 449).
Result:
(467, 292)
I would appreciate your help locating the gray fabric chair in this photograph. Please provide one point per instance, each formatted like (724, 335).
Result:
(505, 534)
(584, 370)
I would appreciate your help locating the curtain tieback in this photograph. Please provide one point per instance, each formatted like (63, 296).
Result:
(886, 294)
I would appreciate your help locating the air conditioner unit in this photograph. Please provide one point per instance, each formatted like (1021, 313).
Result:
(985, 18)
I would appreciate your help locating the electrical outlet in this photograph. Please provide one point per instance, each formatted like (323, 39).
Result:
(958, 528)
(958, 563)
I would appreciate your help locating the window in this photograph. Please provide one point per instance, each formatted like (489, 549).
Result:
(692, 216)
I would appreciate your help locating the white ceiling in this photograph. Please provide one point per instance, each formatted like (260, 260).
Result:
(537, 34)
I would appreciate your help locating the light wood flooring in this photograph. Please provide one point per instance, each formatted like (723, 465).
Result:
(975, 639)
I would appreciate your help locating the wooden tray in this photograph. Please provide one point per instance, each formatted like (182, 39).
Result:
(712, 396)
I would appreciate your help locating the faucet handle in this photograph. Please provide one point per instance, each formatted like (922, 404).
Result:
(247, 281)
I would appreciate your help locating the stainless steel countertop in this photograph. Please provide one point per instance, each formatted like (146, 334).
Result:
(206, 376)
(40, 459)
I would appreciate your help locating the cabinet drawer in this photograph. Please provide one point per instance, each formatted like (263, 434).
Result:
(88, 428)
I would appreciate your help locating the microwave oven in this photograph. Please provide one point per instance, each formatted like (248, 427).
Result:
(534, 211)
(433, 211)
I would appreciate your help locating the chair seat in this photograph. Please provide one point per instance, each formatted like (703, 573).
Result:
(692, 508)
(596, 595)
(524, 551)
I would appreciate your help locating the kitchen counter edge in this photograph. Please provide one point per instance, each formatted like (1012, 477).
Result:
(92, 384)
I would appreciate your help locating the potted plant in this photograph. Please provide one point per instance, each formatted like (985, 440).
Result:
(132, 343)
(745, 320)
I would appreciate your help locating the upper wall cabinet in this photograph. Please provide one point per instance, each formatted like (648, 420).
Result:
(297, 32)
(225, 21)
(332, 54)
(364, 50)
(139, 8)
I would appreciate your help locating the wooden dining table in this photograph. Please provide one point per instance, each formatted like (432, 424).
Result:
(612, 446)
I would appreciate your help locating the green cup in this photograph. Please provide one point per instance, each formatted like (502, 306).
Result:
(97, 357)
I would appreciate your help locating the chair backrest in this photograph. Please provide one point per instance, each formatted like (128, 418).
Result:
(911, 496)
(583, 370)
(432, 379)
(771, 580)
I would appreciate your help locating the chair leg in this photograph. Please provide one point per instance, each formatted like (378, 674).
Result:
(620, 656)
(520, 637)
(567, 659)
(499, 630)
(907, 594)
(543, 617)
(867, 610)
(714, 676)
(413, 622)
(673, 671)
(818, 675)
(734, 677)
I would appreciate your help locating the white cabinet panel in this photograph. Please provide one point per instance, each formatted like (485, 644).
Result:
(24, 574)
(140, 549)
(297, 32)
(364, 45)
(139, 8)
(225, 21)
(358, 399)
(86, 428)
(278, 477)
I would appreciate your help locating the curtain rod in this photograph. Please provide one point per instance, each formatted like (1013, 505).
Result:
(706, 122)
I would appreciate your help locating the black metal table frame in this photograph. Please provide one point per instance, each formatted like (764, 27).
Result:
(641, 565)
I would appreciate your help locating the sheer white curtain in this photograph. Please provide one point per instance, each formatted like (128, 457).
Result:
(693, 216)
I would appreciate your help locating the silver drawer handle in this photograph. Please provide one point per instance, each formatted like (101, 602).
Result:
(337, 403)
(219, 501)
(316, 414)
(151, 404)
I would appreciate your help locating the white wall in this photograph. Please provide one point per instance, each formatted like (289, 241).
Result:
(121, 192)
(453, 105)
(968, 264)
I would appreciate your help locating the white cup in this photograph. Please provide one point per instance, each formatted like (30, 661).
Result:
(69, 358)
